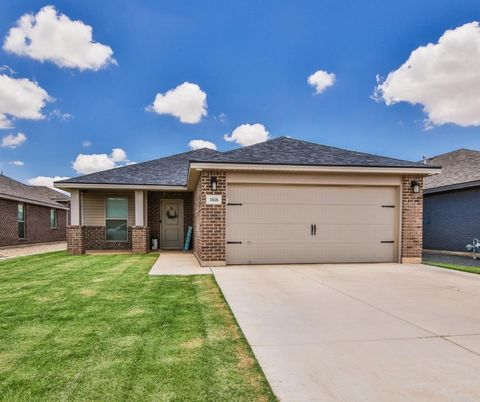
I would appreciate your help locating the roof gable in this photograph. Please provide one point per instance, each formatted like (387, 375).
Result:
(458, 167)
(289, 151)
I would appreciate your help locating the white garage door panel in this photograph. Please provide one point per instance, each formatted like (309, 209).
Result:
(297, 213)
(272, 222)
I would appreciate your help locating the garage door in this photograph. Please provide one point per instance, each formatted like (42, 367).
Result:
(310, 224)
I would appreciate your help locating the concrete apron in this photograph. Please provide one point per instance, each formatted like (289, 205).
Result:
(177, 263)
(360, 332)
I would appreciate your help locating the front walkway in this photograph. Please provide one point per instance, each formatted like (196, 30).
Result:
(370, 332)
(20, 251)
(177, 263)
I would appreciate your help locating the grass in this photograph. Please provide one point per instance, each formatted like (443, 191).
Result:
(99, 328)
(473, 270)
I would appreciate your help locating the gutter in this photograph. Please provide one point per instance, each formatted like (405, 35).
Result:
(34, 202)
(452, 187)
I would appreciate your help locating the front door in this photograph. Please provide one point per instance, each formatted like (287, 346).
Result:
(171, 224)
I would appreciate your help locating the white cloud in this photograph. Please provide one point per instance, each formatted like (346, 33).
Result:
(85, 164)
(321, 80)
(199, 144)
(443, 77)
(13, 141)
(87, 143)
(248, 134)
(17, 163)
(187, 102)
(20, 98)
(47, 181)
(58, 114)
(51, 36)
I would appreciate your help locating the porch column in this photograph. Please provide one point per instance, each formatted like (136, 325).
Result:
(140, 232)
(75, 231)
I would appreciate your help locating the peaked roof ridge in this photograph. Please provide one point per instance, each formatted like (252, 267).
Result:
(455, 151)
(253, 145)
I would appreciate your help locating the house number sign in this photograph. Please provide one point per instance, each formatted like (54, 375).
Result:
(214, 200)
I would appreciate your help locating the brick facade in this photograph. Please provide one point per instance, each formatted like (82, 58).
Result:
(412, 220)
(154, 213)
(76, 239)
(209, 220)
(95, 239)
(140, 239)
(37, 224)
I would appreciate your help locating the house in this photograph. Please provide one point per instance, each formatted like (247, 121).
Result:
(31, 214)
(279, 201)
(451, 201)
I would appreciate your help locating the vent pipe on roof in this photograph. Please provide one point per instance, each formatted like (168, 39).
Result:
(425, 159)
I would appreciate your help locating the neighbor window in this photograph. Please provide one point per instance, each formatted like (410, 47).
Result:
(53, 219)
(21, 221)
(116, 219)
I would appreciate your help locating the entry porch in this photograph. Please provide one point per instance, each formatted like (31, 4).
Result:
(128, 220)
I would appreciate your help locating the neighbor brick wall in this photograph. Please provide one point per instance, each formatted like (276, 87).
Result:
(412, 220)
(154, 212)
(209, 220)
(37, 224)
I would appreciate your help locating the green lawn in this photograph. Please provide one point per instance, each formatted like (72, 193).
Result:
(473, 270)
(99, 328)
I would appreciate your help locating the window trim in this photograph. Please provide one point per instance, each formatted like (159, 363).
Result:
(22, 221)
(115, 219)
(55, 211)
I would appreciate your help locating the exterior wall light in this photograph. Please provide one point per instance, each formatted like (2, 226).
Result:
(213, 183)
(415, 185)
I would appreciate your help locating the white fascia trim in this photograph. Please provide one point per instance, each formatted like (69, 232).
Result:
(33, 202)
(66, 186)
(299, 168)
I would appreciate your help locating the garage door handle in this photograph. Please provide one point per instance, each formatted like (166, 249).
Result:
(234, 242)
(387, 241)
(311, 229)
(314, 229)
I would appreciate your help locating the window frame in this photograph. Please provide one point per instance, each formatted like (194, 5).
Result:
(55, 214)
(115, 219)
(22, 204)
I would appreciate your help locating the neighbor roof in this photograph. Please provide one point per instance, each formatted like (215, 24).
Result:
(12, 189)
(460, 168)
(173, 170)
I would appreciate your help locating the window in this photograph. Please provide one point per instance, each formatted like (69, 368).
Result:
(21, 221)
(53, 219)
(116, 219)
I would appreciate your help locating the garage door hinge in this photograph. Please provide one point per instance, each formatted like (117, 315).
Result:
(234, 242)
(387, 241)
(388, 206)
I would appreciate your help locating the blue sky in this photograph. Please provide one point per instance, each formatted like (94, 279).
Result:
(251, 59)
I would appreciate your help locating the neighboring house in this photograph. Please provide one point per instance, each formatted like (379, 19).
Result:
(31, 214)
(279, 201)
(452, 201)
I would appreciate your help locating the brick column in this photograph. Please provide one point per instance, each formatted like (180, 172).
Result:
(209, 220)
(412, 221)
(76, 239)
(140, 239)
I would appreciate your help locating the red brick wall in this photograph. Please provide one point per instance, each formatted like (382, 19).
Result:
(37, 224)
(412, 220)
(209, 225)
(95, 239)
(154, 213)
(76, 239)
(140, 239)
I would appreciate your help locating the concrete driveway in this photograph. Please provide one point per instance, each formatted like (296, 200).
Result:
(360, 332)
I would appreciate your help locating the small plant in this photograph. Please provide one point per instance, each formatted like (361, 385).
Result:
(474, 247)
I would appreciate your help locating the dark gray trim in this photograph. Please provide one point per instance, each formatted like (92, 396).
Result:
(452, 187)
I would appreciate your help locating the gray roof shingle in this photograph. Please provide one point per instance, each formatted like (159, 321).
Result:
(169, 171)
(289, 151)
(458, 167)
(26, 193)
(173, 170)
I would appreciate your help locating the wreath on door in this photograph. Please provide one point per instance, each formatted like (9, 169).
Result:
(171, 213)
